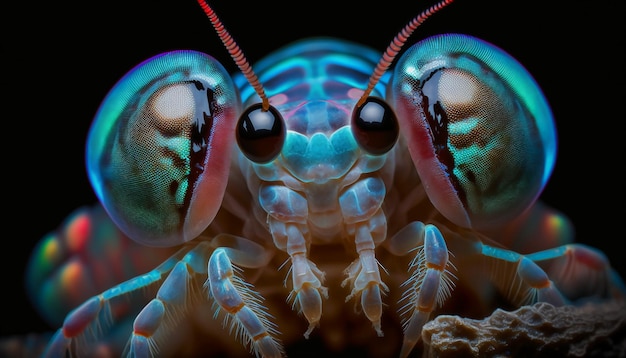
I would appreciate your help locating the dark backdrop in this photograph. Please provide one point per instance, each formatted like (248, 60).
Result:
(62, 59)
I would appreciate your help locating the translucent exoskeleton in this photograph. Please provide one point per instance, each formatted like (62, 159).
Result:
(328, 192)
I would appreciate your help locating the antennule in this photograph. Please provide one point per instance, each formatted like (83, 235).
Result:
(396, 45)
(235, 53)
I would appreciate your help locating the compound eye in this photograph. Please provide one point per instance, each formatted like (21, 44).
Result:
(158, 151)
(479, 129)
(375, 126)
(261, 133)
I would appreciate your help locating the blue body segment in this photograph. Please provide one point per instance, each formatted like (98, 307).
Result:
(314, 69)
(315, 83)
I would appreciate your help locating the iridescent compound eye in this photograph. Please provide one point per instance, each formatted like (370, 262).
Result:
(159, 147)
(479, 129)
(375, 126)
(261, 133)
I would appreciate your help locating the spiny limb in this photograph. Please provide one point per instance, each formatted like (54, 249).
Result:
(363, 276)
(160, 322)
(242, 306)
(308, 291)
(581, 272)
(519, 278)
(430, 284)
(154, 326)
(307, 280)
(92, 320)
(570, 273)
(183, 291)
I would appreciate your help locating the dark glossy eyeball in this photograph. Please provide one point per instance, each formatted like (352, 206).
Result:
(260, 134)
(375, 126)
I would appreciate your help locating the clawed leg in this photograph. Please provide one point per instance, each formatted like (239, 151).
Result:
(519, 278)
(179, 281)
(561, 275)
(307, 279)
(242, 305)
(230, 294)
(363, 275)
(431, 280)
(581, 272)
(86, 323)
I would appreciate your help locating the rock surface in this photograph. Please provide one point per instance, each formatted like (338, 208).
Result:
(539, 330)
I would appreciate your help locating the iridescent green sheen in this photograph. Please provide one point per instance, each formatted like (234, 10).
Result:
(150, 140)
(490, 125)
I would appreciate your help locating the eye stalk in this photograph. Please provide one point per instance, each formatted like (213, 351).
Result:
(375, 126)
(261, 133)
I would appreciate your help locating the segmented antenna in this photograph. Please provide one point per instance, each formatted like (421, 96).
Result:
(396, 45)
(235, 53)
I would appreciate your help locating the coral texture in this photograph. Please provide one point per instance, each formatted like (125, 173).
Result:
(539, 330)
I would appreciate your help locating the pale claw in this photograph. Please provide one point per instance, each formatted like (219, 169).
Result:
(307, 279)
(310, 301)
(364, 277)
(413, 331)
(308, 290)
(372, 304)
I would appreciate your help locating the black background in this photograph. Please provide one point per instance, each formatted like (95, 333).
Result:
(62, 59)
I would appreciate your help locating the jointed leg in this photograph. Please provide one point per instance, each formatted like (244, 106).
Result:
(431, 281)
(307, 291)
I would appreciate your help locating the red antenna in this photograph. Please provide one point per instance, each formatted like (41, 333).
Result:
(235, 53)
(396, 45)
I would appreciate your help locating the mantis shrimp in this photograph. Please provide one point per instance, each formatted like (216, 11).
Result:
(396, 269)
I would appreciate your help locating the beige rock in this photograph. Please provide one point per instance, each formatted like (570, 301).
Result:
(539, 330)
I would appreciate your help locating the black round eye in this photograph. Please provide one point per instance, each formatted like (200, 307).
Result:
(260, 134)
(375, 126)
